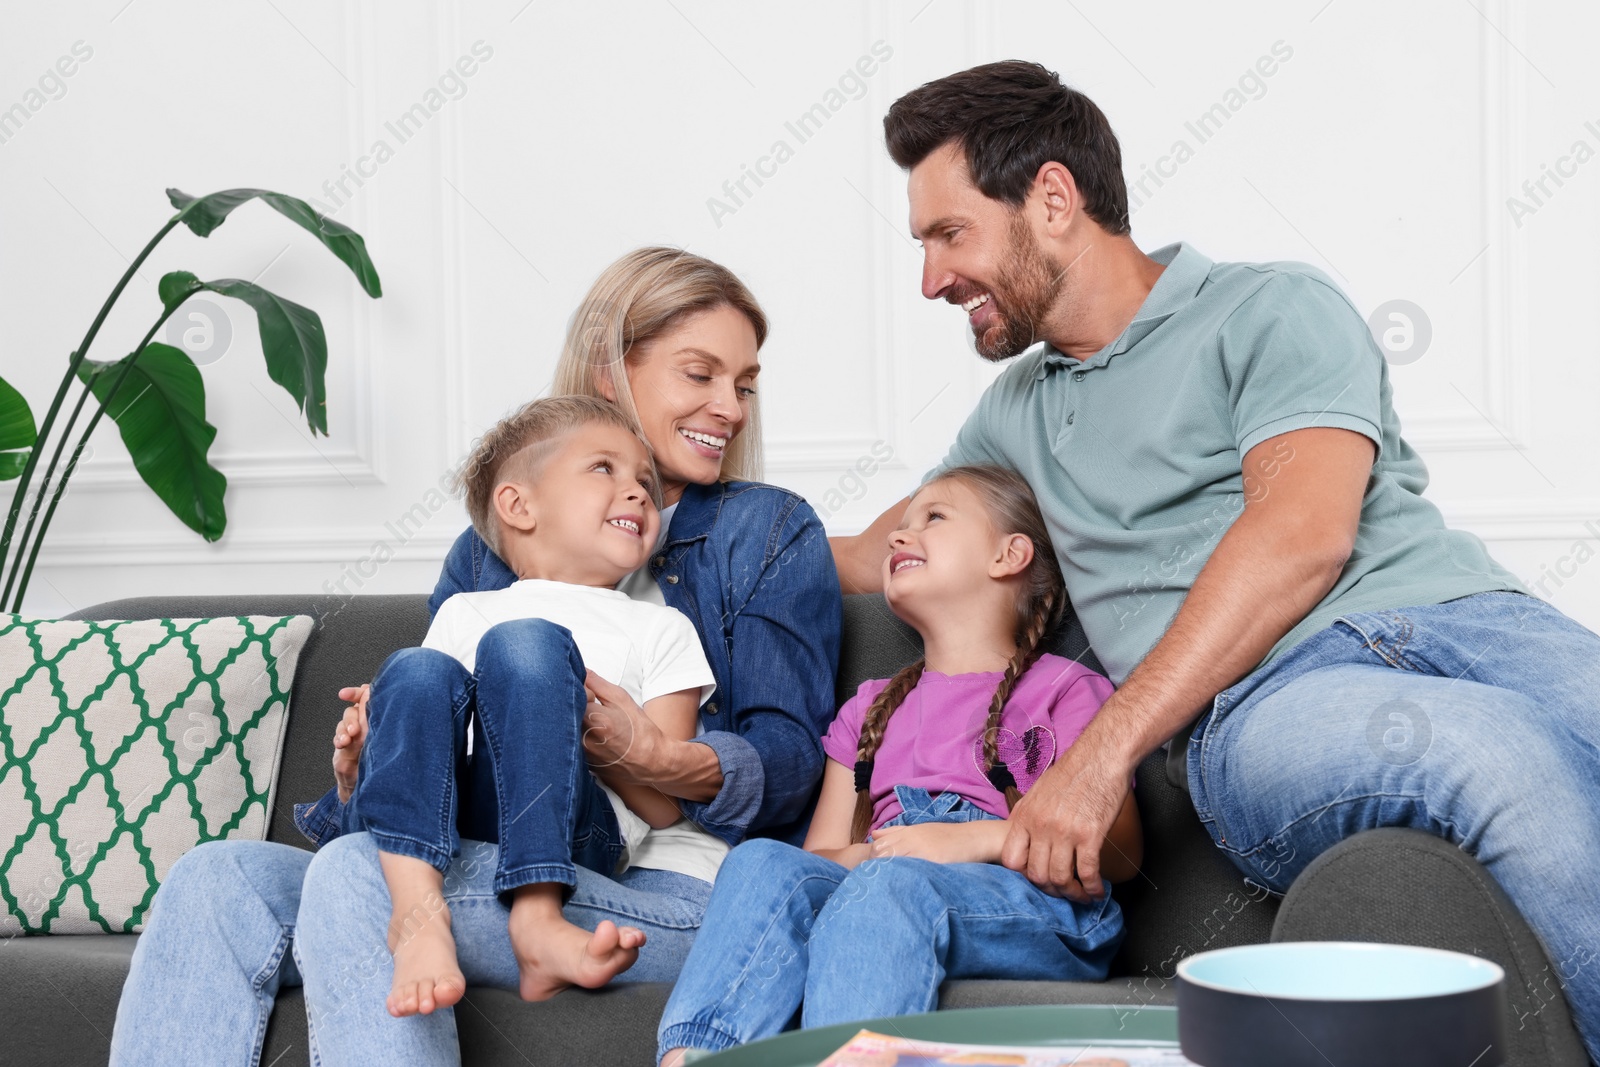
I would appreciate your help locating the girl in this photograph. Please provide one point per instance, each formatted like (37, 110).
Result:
(900, 885)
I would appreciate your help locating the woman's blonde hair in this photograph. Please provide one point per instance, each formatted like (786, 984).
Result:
(637, 299)
(1041, 598)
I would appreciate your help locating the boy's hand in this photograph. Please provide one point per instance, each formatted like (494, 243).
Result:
(942, 842)
(348, 737)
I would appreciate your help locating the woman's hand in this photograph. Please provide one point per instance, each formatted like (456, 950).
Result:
(942, 842)
(623, 745)
(348, 737)
(618, 737)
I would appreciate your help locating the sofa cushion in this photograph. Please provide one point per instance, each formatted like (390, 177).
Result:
(126, 744)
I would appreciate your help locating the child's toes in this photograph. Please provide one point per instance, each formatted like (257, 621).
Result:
(403, 1000)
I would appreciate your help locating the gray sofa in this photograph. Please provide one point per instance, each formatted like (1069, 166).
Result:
(58, 995)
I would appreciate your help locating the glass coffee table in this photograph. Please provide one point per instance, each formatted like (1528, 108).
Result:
(1048, 1024)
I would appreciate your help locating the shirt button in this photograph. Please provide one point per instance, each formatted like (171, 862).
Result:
(1069, 418)
(672, 579)
(711, 708)
(1077, 376)
(661, 561)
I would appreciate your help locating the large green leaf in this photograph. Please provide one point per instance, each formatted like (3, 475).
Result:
(206, 213)
(17, 431)
(161, 413)
(292, 338)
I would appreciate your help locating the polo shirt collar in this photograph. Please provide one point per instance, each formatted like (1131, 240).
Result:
(1186, 271)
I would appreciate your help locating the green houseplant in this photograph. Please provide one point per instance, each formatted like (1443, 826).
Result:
(155, 393)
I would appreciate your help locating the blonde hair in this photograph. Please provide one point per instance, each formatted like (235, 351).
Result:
(638, 298)
(511, 449)
(1012, 508)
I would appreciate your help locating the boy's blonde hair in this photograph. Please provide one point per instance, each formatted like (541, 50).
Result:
(514, 449)
(641, 296)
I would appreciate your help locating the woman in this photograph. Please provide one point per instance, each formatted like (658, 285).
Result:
(672, 339)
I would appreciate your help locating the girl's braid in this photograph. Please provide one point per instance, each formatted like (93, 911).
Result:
(1028, 650)
(872, 725)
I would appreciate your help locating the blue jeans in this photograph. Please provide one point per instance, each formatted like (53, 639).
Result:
(527, 786)
(787, 930)
(235, 921)
(1477, 720)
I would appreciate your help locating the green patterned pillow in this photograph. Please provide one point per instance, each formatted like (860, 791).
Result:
(125, 744)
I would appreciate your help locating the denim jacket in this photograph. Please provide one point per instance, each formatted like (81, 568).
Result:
(749, 564)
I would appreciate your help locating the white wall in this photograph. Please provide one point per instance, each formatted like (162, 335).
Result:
(1382, 150)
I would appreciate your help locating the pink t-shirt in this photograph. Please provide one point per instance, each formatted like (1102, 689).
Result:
(934, 739)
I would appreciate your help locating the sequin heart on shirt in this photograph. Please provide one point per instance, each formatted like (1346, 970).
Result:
(1026, 756)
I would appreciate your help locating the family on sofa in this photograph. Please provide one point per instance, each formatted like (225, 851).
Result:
(616, 754)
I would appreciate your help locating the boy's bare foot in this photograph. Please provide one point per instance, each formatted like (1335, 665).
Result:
(427, 974)
(553, 954)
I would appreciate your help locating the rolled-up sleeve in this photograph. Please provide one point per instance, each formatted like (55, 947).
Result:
(785, 655)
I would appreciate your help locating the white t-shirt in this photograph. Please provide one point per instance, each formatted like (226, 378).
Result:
(648, 649)
(683, 847)
(641, 584)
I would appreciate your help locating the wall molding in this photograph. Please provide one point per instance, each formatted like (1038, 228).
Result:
(1502, 87)
(361, 463)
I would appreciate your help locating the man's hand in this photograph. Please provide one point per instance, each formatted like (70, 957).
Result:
(1060, 825)
(942, 842)
(618, 737)
(348, 738)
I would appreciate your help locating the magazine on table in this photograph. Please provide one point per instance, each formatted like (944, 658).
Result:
(869, 1049)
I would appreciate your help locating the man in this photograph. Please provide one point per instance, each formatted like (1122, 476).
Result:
(1243, 536)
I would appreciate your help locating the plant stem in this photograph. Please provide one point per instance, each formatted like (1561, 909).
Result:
(21, 491)
(61, 486)
(22, 541)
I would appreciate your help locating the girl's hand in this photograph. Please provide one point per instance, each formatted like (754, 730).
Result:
(942, 842)
(348, 737)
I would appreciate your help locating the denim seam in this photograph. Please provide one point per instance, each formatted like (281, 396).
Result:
(313, 1052)
(1317, 814)
(778, 915)
(434, 856)
(671, 922)
(1392, 653)
(530, 874)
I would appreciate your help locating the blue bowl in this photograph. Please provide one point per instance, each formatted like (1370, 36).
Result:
(1313, 1003)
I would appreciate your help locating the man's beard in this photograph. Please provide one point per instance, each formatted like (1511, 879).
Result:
(1025, 289)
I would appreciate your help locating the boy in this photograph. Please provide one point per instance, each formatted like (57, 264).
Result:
(491, 707)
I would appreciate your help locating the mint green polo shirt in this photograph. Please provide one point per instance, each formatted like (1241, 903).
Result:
(1135, 453)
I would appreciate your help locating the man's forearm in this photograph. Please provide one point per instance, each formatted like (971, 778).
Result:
(857, 572)
(859, 559)
(1258, 584)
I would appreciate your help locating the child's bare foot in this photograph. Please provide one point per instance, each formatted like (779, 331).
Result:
(427, 974)
(553, 954)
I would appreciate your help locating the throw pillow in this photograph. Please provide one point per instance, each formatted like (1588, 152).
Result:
(125, 744)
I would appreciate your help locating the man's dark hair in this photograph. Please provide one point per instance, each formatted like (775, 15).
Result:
(1011, 118)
